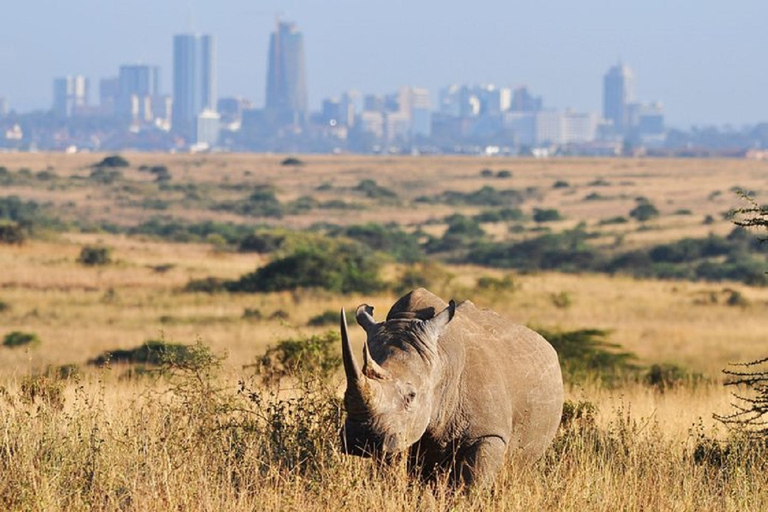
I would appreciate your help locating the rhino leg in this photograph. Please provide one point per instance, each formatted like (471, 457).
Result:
(479, 463)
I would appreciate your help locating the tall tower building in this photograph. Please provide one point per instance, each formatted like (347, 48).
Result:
(618, 93)
(194, 80)
(138, 85)
(69, 93)
(286, 76)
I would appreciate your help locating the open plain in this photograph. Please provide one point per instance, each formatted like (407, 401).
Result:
(79, 432)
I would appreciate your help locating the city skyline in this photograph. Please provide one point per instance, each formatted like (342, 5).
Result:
(702, 60)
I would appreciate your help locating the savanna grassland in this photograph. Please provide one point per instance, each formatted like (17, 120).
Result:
(138, 379)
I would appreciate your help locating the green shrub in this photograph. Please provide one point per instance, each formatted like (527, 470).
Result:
(546, 215)
(11, 233)
(486, 173)
(20, 339)
(161, 173)
(317, 355)
(262, 202)
(252, 314)
(330, 317)
(644, 211)
(561, 184)
(292, 161)
(463, 227)
(13, 209)
(389, 238)
(105, 176)
(373, 190)
(613, 220)
(93, 255)
(504, 174)
(567, 251)
(206, 285)
(151, 352)
(486, 196)
(495, 284)
(585, 354)
(664, 377)
(333, 265)
(113, 161)
(500, 215)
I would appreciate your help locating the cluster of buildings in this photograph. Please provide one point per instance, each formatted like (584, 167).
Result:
(134, 111)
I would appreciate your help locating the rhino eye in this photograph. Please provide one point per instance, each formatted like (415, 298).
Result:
(409, 397)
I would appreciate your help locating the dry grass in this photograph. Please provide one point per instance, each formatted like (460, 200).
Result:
(194, 443)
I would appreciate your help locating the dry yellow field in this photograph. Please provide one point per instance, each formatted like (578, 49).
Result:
(145, 448)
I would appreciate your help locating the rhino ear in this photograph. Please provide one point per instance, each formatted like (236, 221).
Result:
(364, 315)
(437, 323)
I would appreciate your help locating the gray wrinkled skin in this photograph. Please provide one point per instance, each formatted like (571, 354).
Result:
(458, 389)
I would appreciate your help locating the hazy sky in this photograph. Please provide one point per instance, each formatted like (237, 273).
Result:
(704, 59)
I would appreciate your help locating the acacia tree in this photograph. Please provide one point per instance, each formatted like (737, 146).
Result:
(752, 408)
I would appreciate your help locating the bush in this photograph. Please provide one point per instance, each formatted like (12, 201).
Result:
(389, 238)
(20, 339)
(93, 255)
(585, 353)
(546, 215)
(500, 215)
(567, 252)
(206, 285)
(373, 190)
(262, 202)
(317, 355)
(486, 196)
(292, 161)
(151, 352)
(105, 176)
(113, 161)
(11, 233)
(330, 317)
(333, 265)
(161, 173)
(664, 377)
(561, 184)
(504, 174)
(644, 211)
(15, 210)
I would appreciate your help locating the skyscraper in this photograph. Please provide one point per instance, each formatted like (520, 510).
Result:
(618, 93)
(194, 80)
(286, 76)
(69, 93)
(138, 85)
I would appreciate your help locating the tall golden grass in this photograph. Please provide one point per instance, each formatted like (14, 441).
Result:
(211, 437)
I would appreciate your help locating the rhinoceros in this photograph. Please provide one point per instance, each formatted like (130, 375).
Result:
(457, 388)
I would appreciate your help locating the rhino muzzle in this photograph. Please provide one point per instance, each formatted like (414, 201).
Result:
(357, 439)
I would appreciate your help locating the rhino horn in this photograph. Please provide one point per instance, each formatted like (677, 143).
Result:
(364, 315)
(351, 368)
(370, 367)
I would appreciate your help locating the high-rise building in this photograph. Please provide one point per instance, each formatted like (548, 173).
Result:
(618, 93)
(524, 101)
(286, 76)
(138, 85)
(194, 80)
(109, 90)
(69, 93)
(3, 107)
